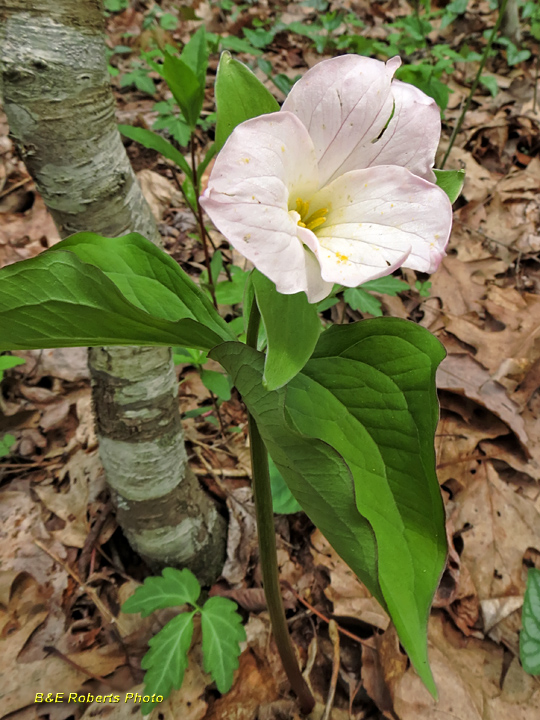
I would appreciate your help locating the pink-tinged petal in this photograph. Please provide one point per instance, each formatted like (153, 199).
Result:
(411, 138)
(316, 287)
(269, 148)
(266, 163)
(379, 219)
(344, 103)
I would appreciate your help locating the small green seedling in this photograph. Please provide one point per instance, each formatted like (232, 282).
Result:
(167, 659)
(361, 299)
(6, 362)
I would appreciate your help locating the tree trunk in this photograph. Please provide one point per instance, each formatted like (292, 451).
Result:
(60, 109)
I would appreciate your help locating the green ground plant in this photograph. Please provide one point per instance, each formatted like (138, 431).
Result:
(6, 362)
(529, 639)
(428, 65)
(167, 659)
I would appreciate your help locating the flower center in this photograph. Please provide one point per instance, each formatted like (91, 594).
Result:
(312, 221)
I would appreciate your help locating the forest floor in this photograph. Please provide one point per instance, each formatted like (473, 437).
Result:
(65, 568)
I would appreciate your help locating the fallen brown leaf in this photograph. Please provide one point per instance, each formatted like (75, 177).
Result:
(349, 596)
(469, 676)
(497, 527)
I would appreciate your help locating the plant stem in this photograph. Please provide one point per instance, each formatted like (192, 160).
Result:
(267, 545)
(195, 214)
(459, 123)
(536, 78)
(201, 222)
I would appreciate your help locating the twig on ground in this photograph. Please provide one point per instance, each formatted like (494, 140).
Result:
(333, 631)
(367, 643)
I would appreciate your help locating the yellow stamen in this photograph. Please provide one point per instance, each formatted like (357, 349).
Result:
(302, 207)
(316, 215)
(315, 220)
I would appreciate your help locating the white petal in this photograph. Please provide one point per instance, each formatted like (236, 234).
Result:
(266, 163)
(380, 219)
(411, 138)
(316, 288)
(344, 103)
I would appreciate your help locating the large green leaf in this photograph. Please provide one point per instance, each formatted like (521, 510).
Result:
(316, 474)
(57, 300)
(147, 277)
(369, 391)
(410, 355)
(240, 95)
(292, 329)
(367, 395)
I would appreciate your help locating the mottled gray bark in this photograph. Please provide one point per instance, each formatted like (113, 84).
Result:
(60, 109)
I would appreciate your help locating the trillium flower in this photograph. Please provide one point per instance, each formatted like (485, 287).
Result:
(338, 186)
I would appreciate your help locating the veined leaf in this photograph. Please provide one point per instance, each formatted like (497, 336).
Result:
(370, 387)
(172, 589)
(307, 466)
(167, 660)
(366, 400)
(56, 300)
(147, 277)
(529, 639)
(222, 633)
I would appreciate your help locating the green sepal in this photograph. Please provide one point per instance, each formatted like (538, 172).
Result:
(451, 181)
(240, 95)
(292, 328)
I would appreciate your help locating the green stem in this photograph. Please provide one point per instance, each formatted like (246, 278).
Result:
(459, 123)
(201, 223)
(267, 545)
